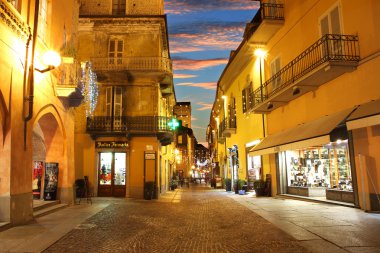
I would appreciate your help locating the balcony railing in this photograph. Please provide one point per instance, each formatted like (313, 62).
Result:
(334, 49)
(159, 64)
(228, 126)
(267, 12)
(130, 124)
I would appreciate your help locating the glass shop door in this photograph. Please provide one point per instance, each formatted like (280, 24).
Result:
(111, 175)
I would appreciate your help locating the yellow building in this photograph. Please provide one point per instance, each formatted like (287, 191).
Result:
(318, 96)
(233, 128)
(37, 99)
(124, 145)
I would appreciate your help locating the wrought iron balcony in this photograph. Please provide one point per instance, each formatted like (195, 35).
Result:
(325, 60)
(133, 125)
(144, 64)
(267, 21)
(228, 126)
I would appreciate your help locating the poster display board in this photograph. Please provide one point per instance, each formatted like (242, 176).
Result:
(37, 177)
(51, 181)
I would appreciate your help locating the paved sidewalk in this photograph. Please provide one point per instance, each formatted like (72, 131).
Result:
(317, 226)
(46, 230)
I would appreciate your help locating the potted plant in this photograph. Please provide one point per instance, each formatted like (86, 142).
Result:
(259, 187)
(227, 183)
(173, 184)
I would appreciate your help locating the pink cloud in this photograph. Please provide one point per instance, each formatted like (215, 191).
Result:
(183, 76)
(189, 64)
(185, 6)
(214, 37)
(206, 86)
(204, 106)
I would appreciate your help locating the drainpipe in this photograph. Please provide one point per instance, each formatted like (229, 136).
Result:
(30, 95)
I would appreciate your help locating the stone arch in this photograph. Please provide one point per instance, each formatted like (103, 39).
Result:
(49, 143)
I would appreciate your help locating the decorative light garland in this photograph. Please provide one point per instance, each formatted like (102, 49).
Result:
(89, 88)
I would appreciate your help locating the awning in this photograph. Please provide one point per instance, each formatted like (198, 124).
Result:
(312, 133)
(366, 115)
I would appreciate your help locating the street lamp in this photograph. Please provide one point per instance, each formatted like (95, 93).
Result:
(260, 53)
(51, 59)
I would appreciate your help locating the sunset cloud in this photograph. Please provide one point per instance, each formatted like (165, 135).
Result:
(214, 36)
(204, 106)
(207, 86)
(183, 76)
(191, 64)
(184, 6)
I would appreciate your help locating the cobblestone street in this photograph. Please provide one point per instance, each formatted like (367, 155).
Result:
(187, 220)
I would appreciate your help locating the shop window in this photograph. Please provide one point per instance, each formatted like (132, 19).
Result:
(326, 166)
(115, 51)
(254, 170)
(118, 7)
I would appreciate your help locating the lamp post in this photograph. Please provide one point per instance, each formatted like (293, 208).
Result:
(260, 53)
(51, 59)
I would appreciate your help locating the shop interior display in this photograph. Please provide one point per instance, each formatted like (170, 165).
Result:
(326, 166)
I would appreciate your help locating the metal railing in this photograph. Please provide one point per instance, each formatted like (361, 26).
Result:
(330, 48)
(138, 124)
(267, 11)
(133, 63)
(227, 123)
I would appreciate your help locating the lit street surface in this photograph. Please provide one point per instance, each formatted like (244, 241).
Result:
(194, 220)
(199, 219)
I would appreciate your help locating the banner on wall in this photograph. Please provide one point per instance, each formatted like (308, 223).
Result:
(51, 181)
(37, 177)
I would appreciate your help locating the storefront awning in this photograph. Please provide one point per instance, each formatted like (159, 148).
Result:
(312, 133)
(366, 115)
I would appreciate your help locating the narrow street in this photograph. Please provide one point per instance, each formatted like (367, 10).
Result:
(188, 220)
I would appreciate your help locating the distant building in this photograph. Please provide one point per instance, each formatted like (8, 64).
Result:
(182, 111)
(126, 141)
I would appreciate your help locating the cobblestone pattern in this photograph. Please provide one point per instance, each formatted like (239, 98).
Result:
(194, 220)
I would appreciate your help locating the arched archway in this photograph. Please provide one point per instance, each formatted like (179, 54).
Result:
(49, 155)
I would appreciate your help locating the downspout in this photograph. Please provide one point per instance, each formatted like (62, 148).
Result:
(30, 95)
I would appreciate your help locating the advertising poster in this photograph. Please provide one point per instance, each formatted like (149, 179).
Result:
(51, 181)
(37, 177)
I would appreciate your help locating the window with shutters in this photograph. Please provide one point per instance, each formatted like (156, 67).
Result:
(247, 102)
(330, 23)
(115, 51)
(118, 7)
(42, 20)
(114, 105)
(275, 67)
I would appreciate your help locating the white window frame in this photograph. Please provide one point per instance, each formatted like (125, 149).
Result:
(115, 56)
(336, 47)
(274, 69)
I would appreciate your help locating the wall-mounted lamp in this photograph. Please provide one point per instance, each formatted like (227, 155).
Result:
(51, 59)
(269, 106)
(296, 90)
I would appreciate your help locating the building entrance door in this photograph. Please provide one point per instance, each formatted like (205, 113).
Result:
(111, 175)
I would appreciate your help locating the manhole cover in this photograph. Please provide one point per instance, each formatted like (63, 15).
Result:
(85, 226)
